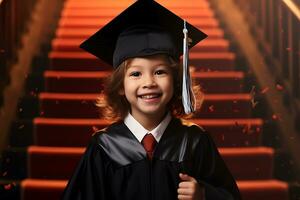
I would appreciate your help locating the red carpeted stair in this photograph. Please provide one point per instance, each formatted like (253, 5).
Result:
(68, 115)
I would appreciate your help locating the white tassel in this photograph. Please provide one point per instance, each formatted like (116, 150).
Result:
(188, 97)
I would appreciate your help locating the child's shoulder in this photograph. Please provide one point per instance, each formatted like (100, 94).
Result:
(194, 133)
(108, 131)
(190, 130)
(192, 126)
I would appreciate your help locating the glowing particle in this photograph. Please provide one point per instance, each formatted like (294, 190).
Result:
(279, 87)
(257, 129)
(32, 93)
(211, 108)
(247, 143)
(8, 186)
(4, 173)
(223, 137)
(235, 110)
(95, 128)
(274, 116)
(263, 91)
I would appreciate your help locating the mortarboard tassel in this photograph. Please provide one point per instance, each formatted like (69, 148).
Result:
(188, 97)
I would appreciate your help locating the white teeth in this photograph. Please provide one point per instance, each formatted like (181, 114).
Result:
(149, 96)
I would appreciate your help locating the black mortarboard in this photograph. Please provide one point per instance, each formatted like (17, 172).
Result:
(144, 28)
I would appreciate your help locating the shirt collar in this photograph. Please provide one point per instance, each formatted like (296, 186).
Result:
(139, 131)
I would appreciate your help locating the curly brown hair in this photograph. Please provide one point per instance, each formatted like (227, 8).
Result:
(114, 106)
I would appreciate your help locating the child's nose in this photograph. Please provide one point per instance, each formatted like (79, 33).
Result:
(149, 81)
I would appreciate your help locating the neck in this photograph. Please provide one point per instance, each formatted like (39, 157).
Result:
(149, 122)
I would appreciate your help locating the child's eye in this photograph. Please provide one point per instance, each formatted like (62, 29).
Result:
(160, 72)
(135, 74)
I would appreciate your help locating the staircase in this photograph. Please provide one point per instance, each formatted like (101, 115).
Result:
(67, 115)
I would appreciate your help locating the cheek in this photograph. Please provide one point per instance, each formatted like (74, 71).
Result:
(128, 88)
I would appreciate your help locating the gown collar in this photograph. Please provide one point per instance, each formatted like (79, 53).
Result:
(120, 144)
(139, 131)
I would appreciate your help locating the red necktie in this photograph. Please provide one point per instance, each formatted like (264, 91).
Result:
(149, 144)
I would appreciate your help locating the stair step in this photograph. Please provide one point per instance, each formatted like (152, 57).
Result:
(52, 131)
(100, 22)
(76, 61)
(250, 163)
(225, 132)
(212, 61)
(112, 12)
(36, 189)
(70, 61)
(41, 160)
(18, 163)
(125, 4)
(83, 33)
(225, 106)
(233, 132)
(93, 82)
(232, 81)
(266, 189)
(244, 163)
(208, 45)
(14, 164)
(68, 105)
(75, 81)
(83, 105)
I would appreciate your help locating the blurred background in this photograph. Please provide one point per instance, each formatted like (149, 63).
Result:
(248, 69)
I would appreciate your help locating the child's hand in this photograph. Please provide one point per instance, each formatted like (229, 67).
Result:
(189, 188)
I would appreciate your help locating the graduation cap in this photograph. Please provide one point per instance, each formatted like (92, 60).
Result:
(146, 28)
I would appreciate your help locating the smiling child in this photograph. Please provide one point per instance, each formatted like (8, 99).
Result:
(148, 152)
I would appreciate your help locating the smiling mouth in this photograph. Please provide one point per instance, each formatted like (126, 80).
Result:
(150, 96)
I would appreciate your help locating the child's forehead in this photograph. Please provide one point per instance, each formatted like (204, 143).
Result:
(149, 61)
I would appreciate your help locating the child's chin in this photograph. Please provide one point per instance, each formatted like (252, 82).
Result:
(153, 112)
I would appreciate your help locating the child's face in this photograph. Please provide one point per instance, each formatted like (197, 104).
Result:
(148, 86)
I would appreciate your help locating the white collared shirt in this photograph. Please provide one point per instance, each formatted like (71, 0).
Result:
(139, 131)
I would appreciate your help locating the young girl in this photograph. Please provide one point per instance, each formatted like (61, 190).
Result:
(147, 153)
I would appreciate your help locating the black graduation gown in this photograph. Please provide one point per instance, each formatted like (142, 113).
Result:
(115, 166)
